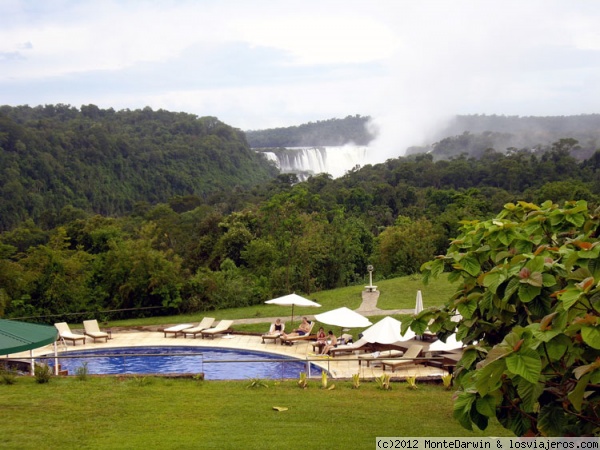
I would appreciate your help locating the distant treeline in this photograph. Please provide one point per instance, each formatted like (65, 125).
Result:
(352, 129)
(474, 134)
(106, 161)
(471, 135)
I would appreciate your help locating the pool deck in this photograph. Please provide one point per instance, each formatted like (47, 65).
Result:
(339, 367)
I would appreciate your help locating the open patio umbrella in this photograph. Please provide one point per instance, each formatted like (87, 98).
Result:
(450, 344)
(343, 317)
(293, 300)
(386, 331)
(16, 337)
(419, 303)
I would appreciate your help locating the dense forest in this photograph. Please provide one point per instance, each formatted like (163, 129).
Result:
(107, 161)
(253, 241)
(352, 129)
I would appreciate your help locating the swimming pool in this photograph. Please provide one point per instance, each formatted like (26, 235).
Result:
(215, 363)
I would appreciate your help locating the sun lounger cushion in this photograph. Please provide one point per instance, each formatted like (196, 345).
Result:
(93, 330)
(65, 333)
(222, 327)
(272, 334)
(304, 337)
(177, 329)
(206, 323)
(359, 345)
(408, 358)
(370, 357)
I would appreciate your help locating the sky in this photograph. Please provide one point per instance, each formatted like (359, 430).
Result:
(409, 64)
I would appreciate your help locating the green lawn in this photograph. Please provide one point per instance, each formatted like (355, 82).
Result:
(150, 413)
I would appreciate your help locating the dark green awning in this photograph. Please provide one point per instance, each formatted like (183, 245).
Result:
(18, 336)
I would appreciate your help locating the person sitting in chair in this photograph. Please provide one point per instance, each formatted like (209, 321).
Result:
(276, 327)
(331, 343)
(321, 339)
(302, 329)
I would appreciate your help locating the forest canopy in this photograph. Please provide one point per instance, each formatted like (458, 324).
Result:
(105, 161)
(105, 210)
(331, 132)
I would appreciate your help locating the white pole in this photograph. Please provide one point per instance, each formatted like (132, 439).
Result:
(55, 359)
(32, 362)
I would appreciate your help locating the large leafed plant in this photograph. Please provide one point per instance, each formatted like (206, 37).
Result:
(527, 305)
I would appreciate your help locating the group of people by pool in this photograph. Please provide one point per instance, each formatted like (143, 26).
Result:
(325, 342)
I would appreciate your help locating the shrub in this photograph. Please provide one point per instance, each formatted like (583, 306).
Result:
(42, 373)
(8, 376)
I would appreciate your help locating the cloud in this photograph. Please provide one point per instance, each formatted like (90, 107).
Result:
(264, 64)
(468, 57)
(328, 40)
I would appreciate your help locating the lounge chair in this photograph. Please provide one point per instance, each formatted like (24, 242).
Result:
(177, 329)
(221, 327)
(408, 358)
(385, 354)
(272, 334)
(291, 339)
(206, 323)
(64, 332)
(93, 330)
(345, 337)
(360, 345)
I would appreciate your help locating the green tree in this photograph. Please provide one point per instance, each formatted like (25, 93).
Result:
(57, 278)
(404, 247)
(529, 306)
(227, 288)
(135, 275)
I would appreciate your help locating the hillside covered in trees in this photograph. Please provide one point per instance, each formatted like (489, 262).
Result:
(332, 132)
(244, 245)
(106, 161)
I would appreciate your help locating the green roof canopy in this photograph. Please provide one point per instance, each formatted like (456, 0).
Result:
(17, 336)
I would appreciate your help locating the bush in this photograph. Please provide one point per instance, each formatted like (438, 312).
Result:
(8, 376)
(42, 373)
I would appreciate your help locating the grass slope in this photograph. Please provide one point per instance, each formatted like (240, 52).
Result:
(396, 293)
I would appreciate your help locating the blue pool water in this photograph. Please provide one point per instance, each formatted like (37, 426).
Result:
(248, 364)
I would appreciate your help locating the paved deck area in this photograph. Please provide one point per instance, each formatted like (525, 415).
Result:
(339, 367)
(343, 366)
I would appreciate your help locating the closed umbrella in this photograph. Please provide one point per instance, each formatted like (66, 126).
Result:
(386, 331)
(293, 300)
(419, 303)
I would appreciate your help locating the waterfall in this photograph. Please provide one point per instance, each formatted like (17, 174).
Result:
(306, 161)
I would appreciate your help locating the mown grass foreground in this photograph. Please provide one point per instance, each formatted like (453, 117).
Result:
(148, 413)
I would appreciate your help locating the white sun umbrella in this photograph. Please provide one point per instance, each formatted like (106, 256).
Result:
(386, 331)
(343, 317)
(419, 303)
(450, 344)
(293, 300)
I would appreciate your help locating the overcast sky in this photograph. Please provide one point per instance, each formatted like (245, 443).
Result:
(262, 64)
